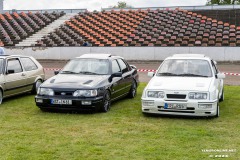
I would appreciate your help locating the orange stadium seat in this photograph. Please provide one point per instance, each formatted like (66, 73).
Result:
(123, 28)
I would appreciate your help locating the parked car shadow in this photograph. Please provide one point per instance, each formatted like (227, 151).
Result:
(175, 116)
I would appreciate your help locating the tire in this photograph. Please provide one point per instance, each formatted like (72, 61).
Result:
(222, 96)
(36, 86)
(217, 112)
(106, 102)
(133, 91)
(1, 97)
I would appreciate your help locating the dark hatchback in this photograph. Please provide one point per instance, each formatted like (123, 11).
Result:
(89, 82)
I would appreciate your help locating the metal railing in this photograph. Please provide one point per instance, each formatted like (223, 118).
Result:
(48, 10)
(192, 8)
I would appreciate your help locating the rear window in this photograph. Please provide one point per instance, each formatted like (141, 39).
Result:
(28, 64)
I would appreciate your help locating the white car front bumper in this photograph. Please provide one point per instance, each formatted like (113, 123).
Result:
(191, 107)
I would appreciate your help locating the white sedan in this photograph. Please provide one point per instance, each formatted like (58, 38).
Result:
(184, 84)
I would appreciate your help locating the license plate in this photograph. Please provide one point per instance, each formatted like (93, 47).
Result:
(175, 106)
(61, 101)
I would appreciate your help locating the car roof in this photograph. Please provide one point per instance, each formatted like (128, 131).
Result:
(189, 56)
(98, 56)
(7, 56)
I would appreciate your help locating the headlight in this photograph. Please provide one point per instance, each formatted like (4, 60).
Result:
(155, 94)
(144, 93)
(197, 95)
(85, 93)
(45, 91)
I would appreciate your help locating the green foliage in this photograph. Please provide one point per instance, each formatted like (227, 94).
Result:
(122, 133)
(121, 4)
(222, 2)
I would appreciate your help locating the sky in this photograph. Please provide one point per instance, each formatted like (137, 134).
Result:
(93, 4)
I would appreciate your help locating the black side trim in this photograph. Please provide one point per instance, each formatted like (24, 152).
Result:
(19, 87)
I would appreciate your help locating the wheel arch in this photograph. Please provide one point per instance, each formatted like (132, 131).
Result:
(39, 78)
(135, 80)
(1, 90)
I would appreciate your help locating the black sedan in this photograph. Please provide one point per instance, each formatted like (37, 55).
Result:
(89, 82)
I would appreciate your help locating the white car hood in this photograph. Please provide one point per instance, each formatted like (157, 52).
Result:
(180, 83)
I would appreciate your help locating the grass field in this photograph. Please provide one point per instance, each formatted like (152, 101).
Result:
(122, 133)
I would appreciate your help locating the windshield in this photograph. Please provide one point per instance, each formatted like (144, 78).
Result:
(185, 67)
(87, 66)
(1, 66)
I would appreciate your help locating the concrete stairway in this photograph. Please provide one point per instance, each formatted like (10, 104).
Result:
(46, 30)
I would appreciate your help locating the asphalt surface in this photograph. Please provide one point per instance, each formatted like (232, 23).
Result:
(223, 67)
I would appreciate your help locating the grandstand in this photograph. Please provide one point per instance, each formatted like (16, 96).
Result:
(152, 27)
(119, 28)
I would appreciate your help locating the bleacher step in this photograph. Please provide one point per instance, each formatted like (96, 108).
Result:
(32, 40)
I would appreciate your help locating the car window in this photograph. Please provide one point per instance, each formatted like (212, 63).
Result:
(1, 66)
(115, 67)
(28, 64)
(214, 68)
(185, 67)
(87, 66)
(14, 65)
(123, 66)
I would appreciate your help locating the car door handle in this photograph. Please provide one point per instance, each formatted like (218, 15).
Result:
(23, 74)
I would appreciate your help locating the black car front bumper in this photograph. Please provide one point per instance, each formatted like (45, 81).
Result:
(96, 103)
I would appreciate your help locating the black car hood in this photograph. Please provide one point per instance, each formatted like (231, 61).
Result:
(75, 81)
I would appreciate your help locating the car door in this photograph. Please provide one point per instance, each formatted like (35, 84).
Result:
(31, 71)
(15, 78)
(117, 90)
(218, 82)
(2, 78)
(126, 76)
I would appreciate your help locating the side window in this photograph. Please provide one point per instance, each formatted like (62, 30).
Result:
(28, 64)
(115, 67)
(1, 66)
(214, 68)
(14, 66)
(123, 66)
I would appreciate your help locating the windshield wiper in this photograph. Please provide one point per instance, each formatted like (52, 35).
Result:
(192, 75)
(68, 72)
(85, 72)
(167, 74)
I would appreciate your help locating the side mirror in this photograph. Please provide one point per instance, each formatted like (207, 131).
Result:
(215, 62)
(133, 67)
(56, 72)
(151, 74)
(118, 74)
(10, 71)
(221, 76)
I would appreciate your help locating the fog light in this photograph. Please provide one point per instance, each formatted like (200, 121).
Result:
(39, 100)
(148, 103)
(205, 106)
(86, 102)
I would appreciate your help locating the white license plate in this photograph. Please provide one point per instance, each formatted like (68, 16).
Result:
(175, 106)
(61, 101)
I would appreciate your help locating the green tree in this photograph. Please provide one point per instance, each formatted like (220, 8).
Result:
(222, 2)
(121, 4)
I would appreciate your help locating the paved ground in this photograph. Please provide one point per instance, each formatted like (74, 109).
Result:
(223, 67)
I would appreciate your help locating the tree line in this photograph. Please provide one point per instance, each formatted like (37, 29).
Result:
(122, 4)
(222, 2)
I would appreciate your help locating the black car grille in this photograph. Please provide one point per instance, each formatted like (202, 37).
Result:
(63, 93)
(176, 96)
